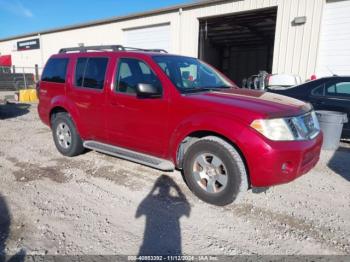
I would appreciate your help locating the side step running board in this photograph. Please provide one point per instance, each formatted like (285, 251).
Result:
(147, 160)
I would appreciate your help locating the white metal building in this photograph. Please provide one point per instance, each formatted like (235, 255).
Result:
(240, 37)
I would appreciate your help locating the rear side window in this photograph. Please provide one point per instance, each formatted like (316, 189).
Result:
(55, 70)
(318, 91)
(90, 72)
(339, 89)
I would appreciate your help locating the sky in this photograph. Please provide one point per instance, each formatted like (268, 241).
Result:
(26, 16)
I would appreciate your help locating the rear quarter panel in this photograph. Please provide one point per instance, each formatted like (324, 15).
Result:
(49, 92)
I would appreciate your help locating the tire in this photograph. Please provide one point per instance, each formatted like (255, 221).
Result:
(214, 171)
(65, 135)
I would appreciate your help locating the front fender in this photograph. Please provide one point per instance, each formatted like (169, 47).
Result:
(223, 125)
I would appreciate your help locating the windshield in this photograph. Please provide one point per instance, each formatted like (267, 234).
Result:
(190, 74)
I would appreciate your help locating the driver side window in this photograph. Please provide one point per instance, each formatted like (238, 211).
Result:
(131, 72)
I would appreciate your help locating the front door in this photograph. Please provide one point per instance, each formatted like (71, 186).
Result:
(136, 123)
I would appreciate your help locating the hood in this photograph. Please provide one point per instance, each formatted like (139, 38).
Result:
(265, 104)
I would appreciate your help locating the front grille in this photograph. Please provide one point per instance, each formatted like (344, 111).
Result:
(292, 127)
(303, 127)
(309, 123)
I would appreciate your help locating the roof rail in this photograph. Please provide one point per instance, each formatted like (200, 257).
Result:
(92, 48)
(107, 47)
(145, 50)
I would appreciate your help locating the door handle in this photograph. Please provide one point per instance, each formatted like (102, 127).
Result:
(116, 103)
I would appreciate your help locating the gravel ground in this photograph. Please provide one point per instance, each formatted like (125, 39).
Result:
(96, 204)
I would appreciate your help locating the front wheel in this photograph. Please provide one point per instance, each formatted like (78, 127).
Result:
(65, 135)
(214, 171)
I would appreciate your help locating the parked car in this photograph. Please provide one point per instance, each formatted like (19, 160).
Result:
(169, 111)
(328, 93)
(274, 81)
(282, 81)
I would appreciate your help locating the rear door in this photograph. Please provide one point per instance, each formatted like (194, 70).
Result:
(87, 92)
(135, 123)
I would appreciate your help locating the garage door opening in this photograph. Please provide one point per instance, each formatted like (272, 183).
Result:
(239, 45)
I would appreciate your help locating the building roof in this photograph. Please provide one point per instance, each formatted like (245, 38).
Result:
(119, 18)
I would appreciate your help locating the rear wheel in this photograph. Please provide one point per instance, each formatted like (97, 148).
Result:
(65, 135)
(214, 171)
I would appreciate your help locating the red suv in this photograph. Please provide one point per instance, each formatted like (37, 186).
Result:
(174, 112)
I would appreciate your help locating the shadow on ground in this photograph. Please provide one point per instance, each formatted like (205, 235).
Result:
(5, 222)
(260, 190)
(339, 162)
(12, 110)
(163, 207)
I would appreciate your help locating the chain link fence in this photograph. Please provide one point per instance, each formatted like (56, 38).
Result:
(18, 77)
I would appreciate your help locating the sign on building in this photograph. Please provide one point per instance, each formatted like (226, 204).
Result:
(28, 44)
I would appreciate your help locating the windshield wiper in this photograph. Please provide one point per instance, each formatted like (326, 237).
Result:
(201, 89)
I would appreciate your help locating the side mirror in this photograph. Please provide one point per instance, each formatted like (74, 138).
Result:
(148, 91)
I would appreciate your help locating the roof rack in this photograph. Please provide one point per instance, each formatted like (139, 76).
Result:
(92, 48)
(83, 49)
(144, 50)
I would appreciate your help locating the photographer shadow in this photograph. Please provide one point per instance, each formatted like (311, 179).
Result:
(5, 223)
(163, 208)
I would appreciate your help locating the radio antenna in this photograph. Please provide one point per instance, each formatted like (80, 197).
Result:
(331, 71)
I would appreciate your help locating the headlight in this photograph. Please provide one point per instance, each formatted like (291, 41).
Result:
(287, 129)
(274, 129)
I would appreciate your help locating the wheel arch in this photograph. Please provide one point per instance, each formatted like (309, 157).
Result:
(62, 104)
(194, 136)
(54, 111)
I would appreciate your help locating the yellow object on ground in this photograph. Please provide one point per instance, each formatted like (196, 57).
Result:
(32, 95)
(24, 96)
(28, 95)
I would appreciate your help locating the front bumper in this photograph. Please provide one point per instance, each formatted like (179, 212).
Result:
(272, 163)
